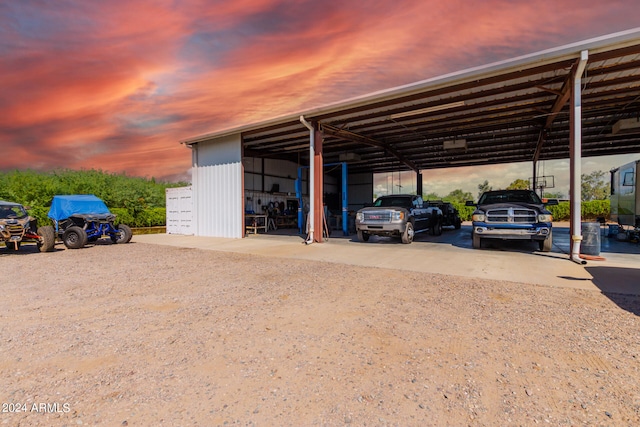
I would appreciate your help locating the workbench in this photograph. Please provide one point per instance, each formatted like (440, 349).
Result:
(255, 222)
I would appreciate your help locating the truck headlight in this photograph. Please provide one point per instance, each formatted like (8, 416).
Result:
(545, 218)
(359, 216)
(479, 217)
(397, 216)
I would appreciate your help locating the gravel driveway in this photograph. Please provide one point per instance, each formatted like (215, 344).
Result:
(149, 335)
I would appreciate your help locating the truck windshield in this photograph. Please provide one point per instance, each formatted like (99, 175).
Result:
(400, 202)
(510, 197)
(12, 212)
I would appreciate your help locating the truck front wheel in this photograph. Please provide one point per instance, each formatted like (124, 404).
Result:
(363, 236)
(48, 235)
(407, 236)
(477, 241)
(546, 244)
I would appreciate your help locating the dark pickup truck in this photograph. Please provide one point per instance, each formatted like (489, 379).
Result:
(399, 215)
(512, 215)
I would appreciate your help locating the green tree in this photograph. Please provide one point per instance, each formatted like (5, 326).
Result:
(483, 188)
(519, 184)
(431, 196)
(140, 200)
(594, 187)
(553, 195)
(458, 196)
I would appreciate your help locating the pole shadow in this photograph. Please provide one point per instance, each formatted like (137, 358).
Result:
(621, 285)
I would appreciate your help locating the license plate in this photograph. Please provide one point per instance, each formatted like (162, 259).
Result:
(14, 238)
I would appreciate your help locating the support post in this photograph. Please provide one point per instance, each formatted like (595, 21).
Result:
(419, 184)
(575, 154)
(345, 201)
(535, 175)
(318, 182)
(300, 201)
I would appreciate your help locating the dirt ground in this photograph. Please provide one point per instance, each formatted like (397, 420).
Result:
(150, 335)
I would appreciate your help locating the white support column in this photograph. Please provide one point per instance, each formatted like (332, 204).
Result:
(576, 159)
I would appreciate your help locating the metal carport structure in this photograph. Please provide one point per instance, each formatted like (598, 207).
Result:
(578, 100)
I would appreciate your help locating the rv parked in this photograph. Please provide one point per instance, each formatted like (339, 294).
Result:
(625, 197)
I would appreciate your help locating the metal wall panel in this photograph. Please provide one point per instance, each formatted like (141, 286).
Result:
(217, 188)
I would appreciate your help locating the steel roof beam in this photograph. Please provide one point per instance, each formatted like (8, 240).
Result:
(351, 136)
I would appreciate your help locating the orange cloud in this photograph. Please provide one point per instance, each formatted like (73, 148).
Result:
(115, 85)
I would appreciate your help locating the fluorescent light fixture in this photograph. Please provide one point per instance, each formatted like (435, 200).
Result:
(427, 110)
(296, 147)
(464, 162)
(626, 126)
(454, 144)
(349, 157)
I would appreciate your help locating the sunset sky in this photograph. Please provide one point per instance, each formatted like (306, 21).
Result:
(115, 85)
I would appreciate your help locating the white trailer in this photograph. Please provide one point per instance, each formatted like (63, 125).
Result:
(625, 197)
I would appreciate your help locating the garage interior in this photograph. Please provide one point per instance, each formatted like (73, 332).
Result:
(578, 100)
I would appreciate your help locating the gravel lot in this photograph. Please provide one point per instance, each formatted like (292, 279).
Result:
(150, 335)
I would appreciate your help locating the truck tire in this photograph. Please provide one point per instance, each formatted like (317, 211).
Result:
(124, 234)
(363, 236)
(48, 235)
(477, 241)
(74, 237)
(407, 236)
(436, 229)
(546, 244)
(458, 224)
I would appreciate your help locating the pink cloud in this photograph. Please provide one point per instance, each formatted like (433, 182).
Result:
(115, 85)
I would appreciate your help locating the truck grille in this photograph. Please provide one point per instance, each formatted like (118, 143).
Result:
(515, 215)
(15, 229)
(377, 216)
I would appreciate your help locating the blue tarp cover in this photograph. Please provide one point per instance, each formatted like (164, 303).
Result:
(63, 207)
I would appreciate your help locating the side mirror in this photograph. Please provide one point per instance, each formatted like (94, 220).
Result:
(469, 203)
(551, 202)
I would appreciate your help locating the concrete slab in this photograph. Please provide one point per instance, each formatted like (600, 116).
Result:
(451, 253)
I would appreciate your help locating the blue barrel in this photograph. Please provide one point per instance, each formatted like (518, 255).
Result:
(590, 238)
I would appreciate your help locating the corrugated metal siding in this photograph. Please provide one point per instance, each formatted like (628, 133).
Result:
(217, 185)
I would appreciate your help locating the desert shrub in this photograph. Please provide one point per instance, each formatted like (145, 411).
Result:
(123, 216)
(151, 217)
(464, 211)
(596, 208)
(591, 210)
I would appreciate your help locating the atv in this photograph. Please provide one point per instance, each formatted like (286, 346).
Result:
(84, 218)
(16, 227)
